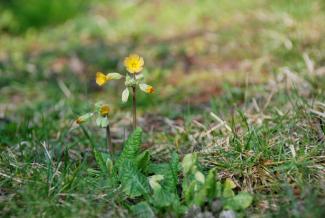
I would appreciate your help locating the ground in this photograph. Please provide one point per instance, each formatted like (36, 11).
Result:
(242, 83)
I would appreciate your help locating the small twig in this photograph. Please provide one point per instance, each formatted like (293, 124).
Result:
(64, 89)
(220, 121)
(10, 177)
(268, 100)
(257, 108)
(47, 152)
(320, 114)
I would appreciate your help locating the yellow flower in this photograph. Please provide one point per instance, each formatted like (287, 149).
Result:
(134, 63)
(146, 88)
(101, 78)
(104, 110)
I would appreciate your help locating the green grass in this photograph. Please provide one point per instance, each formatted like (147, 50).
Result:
(257, 65)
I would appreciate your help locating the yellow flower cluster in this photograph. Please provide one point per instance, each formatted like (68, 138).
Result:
(134, 65)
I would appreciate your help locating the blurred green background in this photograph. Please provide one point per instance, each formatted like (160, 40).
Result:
(18, 16)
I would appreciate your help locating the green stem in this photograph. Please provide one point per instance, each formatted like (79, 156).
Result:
(134, 105)
(110, 145)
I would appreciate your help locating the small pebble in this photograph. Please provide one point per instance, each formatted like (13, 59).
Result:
(227, 214)
(216, 206)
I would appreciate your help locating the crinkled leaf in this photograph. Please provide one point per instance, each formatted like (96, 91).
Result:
(108, 161)
(167, 194)
(227, 193)
(189, 161)
(163, 198)
(154, 182)
(208, 190)
(199, 177)
(143, 161)
(100, 161)
(169, 171)
(188, 191)
(228, 186)
(174, 167)
(134, 183)
(142, 210)
(132, 147)
(239, 202)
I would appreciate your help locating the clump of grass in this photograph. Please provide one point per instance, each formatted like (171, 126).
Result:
(20, 16)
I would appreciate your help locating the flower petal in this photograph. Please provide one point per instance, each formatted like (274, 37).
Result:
(141, 61)
(125, 95)
(100, 78)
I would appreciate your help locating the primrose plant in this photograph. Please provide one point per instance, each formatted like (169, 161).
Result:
(101, 113)
(133, 79)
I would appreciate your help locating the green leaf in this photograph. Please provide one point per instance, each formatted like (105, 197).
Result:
(164, 170)
(154, 182)
(240, 202)
(108, 161)
(189, 162)
(211, 184)
(131, 148)
(208, 191)
(169, 171)
(227, 193)
(229, 185)
(143, 161)
(142, 210)
(218, 189)
(134, 183)
(167, 194)
(100, 161)
(174, 167)
(199, 177)
(188, 191)
(164, 198)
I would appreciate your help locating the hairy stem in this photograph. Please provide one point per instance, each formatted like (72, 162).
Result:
(110, 146)
(134, 107)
